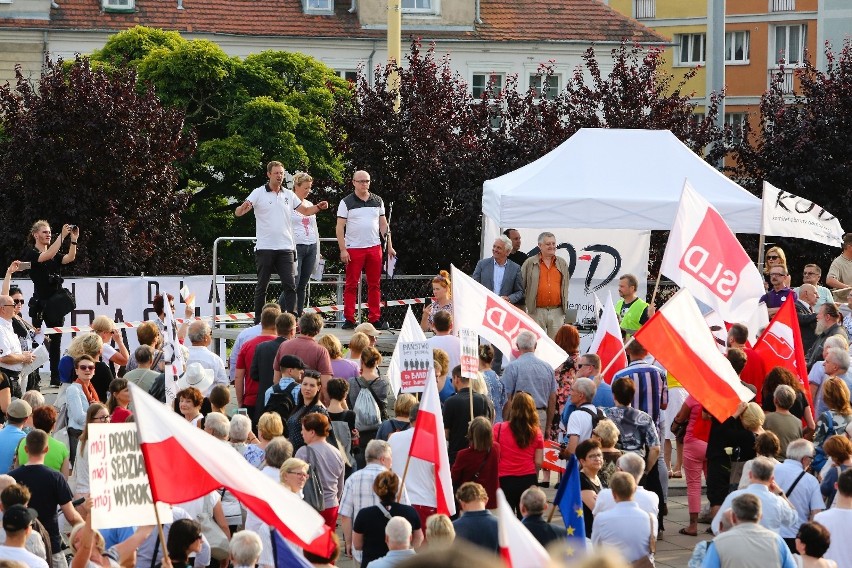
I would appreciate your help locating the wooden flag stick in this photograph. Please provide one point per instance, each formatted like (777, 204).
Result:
(656, 287)
(404, 475)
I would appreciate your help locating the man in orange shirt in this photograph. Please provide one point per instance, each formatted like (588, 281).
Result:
(545, 277)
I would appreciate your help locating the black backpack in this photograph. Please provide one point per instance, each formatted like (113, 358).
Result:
(281, 401)
(596, 416)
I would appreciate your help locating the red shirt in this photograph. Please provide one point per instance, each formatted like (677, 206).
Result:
(514, 460)
(244, 362)
(754, 372)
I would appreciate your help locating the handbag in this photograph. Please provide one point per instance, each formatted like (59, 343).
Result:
(60, 304)
(214, 534)
(313, 486)
(647, 561)
(678, 429)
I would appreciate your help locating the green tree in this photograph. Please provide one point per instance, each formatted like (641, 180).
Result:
(87, 147)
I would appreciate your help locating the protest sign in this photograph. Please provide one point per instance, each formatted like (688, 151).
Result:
(416, 363)
(118, 480)
(469, 340)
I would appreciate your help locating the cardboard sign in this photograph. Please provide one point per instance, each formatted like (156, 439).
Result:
(118, 480)
(416, 364)
(469, 340)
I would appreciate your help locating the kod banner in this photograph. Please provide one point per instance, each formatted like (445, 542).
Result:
(787, 215)
(596, 258)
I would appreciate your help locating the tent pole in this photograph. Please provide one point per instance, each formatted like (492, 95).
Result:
(761, 243)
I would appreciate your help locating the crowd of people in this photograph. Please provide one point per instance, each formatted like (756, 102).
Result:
(324, 421)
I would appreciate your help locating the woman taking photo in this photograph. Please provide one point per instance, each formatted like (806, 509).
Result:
(308, 401)
(119, 401)
(306, 236)
(442, 300)
(269, 426)
(479, 461)
(326, 461)
(79, 396)
(521, 449)
(45, 273)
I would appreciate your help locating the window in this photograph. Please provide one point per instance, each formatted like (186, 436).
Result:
(119, 5)
(319, 5)
(789, 44)
(348, 74)
(482, 81)
(697, 118)
(645, 8)
(783, 5)
(691, 48)
(736, 47)
(417, 5)
(736, 120)
(551, 87)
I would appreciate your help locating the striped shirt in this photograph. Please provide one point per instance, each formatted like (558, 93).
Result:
(652, 389)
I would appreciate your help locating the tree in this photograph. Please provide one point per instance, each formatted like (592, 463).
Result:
(803, 145)
(432, 157)
(86, 146)
(272, 105)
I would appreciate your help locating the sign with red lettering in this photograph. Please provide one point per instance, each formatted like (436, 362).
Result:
(417, 365)
(118, 480)
(469, 352)
(505, 319)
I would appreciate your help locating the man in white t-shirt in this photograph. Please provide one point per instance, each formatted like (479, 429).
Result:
(444, 338)
(361, 224)
(837, 520)
(648, 501)
(275, 248)
(580, 422)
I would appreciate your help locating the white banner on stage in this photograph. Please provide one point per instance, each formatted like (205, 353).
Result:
(125, 299)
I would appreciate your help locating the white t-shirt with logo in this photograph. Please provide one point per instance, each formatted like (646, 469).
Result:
(273, 218)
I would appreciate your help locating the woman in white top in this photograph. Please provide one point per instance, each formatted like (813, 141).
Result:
(306, 236)
(190, 400)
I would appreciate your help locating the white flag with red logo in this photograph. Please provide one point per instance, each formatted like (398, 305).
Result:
(780, 345)
(551, 461)
(607, 343)
(478, 308)
(518, 547)
(678, 337)
(705, 257)
(429, 443)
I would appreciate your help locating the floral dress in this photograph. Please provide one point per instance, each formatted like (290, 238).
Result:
(565, 374)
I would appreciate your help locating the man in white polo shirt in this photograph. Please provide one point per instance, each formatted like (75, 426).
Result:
(12, 358)
(361, 224)
(275, 248)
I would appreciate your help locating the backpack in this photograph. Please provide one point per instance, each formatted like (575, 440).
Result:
(368, 414)
(820, 457)
(313, 486)
(281, 400)
(158, 388)
(596, 416)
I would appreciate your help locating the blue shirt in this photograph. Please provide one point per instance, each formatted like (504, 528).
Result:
(284, 382)
(499, 272)
(603, 396)
(10, 437)
(448, 390)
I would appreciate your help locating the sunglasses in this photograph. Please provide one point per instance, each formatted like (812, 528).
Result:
(18, 302)
(772, 257)
(86, 367)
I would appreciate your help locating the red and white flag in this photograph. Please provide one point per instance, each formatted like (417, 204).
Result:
(678, 337)
(607, 343)
(780, 345)
(429, 444)
(551, 461)
(185, 463)
(478, 308)
(704, 256)
(518, 547)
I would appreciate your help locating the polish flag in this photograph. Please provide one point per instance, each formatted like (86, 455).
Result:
(493, 318)
(429, 444)
(678, 337)
(780, 345)
(704, 256)
(185, 463)
(607, 343)
(518, 547)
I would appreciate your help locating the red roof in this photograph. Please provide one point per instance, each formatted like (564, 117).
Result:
(503, 20)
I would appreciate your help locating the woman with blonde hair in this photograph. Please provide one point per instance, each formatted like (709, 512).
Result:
(835, 395)
(306, 236)
(606, 432)
(521, 449)
(439, 531)
(84, 344)
(775, 257)
(442, 300)
(400, 421)
(106, 329)
(357, 343)
(753, 418)
(340, 368)
(269, 426)
(379, 389)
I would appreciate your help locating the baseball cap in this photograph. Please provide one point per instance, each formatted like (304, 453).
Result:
(18, 517)
(19, 409)
(369, 329)
(291, 362)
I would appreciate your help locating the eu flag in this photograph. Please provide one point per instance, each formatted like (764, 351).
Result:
(285, 555)
(571, 507)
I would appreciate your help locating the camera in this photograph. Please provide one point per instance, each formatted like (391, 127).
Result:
(73, 227)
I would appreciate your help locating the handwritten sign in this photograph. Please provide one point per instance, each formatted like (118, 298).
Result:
(469, 340)
(118, 480)
(415, 365)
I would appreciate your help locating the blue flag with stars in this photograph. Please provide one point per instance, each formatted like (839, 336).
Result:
(571, 507)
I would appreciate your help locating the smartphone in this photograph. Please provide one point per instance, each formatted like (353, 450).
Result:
(24, 266)
(243, 411)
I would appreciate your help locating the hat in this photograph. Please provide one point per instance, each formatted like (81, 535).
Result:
(369, 329)
(291, 362)
(19, 409)
(17, 518)
(196, 376)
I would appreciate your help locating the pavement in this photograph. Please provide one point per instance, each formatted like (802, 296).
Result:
(673, 550)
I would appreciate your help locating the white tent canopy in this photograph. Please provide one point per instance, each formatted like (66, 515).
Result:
(612, 179)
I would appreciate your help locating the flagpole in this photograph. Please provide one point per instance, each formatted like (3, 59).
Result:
(160, 532)
(404, 475)
(656, 287)
(762, 240)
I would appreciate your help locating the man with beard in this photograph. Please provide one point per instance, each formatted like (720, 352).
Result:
(828, 324)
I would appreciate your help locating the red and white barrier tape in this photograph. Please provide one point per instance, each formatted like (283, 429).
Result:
(245, 316)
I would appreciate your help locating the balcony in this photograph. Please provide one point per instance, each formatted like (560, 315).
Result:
(787, 81)
(783, 5)
(646, 9)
